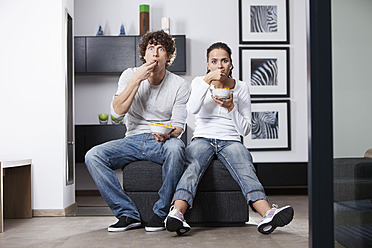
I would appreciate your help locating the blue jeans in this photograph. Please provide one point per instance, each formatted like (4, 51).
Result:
(103, 159)
(233, 154)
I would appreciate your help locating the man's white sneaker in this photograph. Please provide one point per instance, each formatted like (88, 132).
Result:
(175, 222)
(275, 217)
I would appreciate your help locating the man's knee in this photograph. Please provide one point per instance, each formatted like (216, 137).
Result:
(174, 145)
(93, 155)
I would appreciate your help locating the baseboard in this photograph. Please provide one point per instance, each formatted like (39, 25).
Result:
(54, 212)
(286, 191)
(283, 175)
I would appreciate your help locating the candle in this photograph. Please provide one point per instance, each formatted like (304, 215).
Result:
(165, 26)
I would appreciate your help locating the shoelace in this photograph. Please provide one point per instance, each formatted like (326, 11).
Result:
(178, 214)
(271, 212)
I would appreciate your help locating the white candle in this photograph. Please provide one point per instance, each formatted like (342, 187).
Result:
(165, 24)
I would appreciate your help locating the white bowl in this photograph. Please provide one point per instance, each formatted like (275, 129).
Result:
(160, 129)
(221, 93)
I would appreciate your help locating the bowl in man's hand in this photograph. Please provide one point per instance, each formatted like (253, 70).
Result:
(159, 127)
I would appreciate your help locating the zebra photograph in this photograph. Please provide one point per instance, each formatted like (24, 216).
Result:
(264, 19)
(265, 125)
(264, 72)
(270, 128)
(263, 22)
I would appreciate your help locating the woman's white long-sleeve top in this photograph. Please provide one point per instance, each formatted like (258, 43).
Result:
(214, 121)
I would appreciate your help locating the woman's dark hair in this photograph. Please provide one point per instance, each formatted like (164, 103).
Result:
(220, 45)
(158, 38)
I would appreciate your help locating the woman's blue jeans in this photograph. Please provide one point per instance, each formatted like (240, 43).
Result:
(103, 159)
(233, 154)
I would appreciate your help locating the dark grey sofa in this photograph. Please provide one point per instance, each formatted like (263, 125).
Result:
(353, 201)
(218, 202)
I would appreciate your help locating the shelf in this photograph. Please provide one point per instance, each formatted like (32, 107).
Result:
(114, 54)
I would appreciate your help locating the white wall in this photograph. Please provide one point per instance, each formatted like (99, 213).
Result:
(32, 95)
(214, 20)
(352, 77)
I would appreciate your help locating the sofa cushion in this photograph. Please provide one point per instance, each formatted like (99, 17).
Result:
(352, 179)
(210, 208)
(146, 176)
(142, 176)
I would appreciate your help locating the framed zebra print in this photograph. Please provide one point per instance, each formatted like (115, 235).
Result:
(266, 70)
(271, 129)
(263, 22)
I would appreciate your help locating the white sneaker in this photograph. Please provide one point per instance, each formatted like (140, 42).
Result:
(275, 217)
(175, 222)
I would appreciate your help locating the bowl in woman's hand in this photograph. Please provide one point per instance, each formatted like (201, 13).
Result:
(159, 127)
(221, 93)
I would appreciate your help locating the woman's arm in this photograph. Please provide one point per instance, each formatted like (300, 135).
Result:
(199, 89)
(241, 114)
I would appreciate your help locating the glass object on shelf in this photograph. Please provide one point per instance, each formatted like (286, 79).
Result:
(103, 118)
(100, 30)
(122, 30)
(117, 121)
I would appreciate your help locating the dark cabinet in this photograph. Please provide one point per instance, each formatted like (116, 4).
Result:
(80, 61)
(114, 54)
(87, 136)
(110, 54)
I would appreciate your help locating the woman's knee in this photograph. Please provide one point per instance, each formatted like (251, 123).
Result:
(238, 149)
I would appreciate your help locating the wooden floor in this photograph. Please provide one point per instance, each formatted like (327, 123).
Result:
(91, 231)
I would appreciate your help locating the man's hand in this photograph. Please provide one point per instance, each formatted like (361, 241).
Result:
(144, 71)
(161, 137)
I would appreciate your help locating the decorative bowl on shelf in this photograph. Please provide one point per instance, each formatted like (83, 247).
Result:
(159, 127)
(103, 118)
(117, 121)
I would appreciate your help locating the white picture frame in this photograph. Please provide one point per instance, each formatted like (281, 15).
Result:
(263, 21)
(271, 129)
(266, 70)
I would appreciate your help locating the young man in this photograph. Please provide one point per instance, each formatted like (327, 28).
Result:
(145, 94)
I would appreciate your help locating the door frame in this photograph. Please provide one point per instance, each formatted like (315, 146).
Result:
(320, 170)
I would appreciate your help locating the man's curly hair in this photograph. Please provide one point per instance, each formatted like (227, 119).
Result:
(158, 38)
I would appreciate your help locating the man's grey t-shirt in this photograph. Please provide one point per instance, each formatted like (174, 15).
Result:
(153, 103)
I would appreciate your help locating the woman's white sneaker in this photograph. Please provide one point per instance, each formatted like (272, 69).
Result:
(275, 217)
(175, 222)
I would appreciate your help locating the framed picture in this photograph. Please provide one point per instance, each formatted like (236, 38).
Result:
(263, 21)
(270, 126)
(266, 70)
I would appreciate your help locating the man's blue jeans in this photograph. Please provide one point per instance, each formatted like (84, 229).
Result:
(103, 159)
(233, 154)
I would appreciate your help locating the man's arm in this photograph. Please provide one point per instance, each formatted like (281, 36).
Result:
(179, 114)
(124, 100)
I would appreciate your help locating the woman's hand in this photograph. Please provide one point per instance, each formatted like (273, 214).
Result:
(225, 102)
(216, 75)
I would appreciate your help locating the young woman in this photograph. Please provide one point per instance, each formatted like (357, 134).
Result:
(220, 122)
